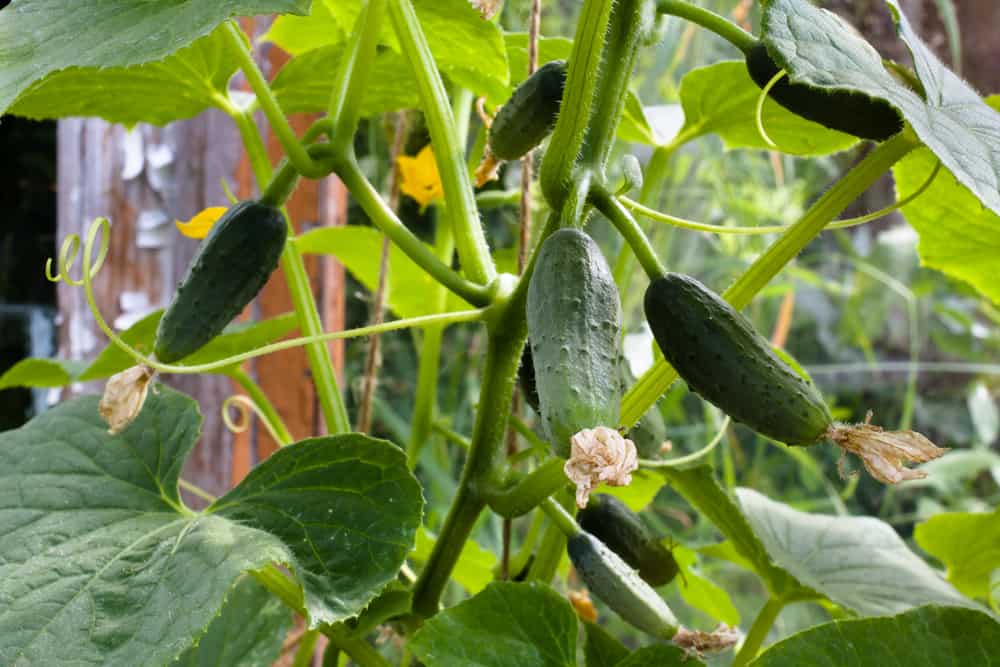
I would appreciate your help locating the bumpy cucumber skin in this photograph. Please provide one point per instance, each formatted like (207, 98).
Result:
(530, 113)
(721, 357)
(619, 586)
(574, 325)
(234, 262)
(620, 529)
(853, 113)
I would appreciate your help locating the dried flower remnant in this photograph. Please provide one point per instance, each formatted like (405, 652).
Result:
(583, 605)
(124, 396)
(598, 455)
(487, 8)
(697, 642)
(885, 453)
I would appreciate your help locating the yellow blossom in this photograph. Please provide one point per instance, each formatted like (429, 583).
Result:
(200, 225)
(420, 178)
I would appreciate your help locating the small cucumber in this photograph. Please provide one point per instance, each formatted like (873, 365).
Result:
(530, 113)
(621, 530)
(526, 378)
(721, 357)
(574, 325)
(234, 262)
(851, 112)
(612, 581)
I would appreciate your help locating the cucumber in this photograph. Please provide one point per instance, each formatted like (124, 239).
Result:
(620, 529)
(530, 113)
(234, 262)
(850, 112)
(526, 378)
(612, 581)
(650, 432)
(721, 357)
(574, 325)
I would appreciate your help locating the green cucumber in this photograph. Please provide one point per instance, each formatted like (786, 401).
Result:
(612, 581)
(530, 113)
(851, 112)
(526, 378)
(574, 325)
(722, 358)
(621, 530)
(234, 262)
(650, 432)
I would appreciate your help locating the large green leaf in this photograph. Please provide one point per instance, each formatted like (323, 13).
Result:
(528, 625)
(722, 99)
(818, 48)
(248, 633)
(39, 37)
(967, 544)
(359, 249)
(858, 562)
(298, 34)
(660, 655)
(34, 372)
(926, 637)
(181, 86)
(100, 563)
(958, 236)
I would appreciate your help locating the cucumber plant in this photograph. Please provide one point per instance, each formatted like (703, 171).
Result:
(104, 563)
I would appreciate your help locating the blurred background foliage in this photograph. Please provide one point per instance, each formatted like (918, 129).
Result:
(874, 329)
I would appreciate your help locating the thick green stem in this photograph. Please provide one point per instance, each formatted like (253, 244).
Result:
(557, 170)
(658, 379)
(551, 549)
(360, 651)
(449, 152)
(425, 402)
(320, 363)
(269, 105)
(383, 218)
(525, 492)
(758, 631)
(560, 518)
(626, 225)
(264, 404)
(354, 70)
(709, 20)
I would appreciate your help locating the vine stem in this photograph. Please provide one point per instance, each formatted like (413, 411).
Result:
(758, 631)
(660, 376)
(304, 302)
(448, 150)
(626, 225)
(709, 20)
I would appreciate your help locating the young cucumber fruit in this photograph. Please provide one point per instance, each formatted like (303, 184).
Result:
(574, 325)
(234, 262)
(619, 586)
(620, 529)
(530, 113)
(721, 357)
(850, 112)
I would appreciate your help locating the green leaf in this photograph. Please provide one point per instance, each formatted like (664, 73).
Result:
(958, 236)
(659, 656)
(39, 37)
(967, 544)
(474, 569)
(600, 648)
(995, 589)
(702, 593)
(516, 44)
(529, 625)
(930, 636)
(637, 495)
(818, 48)
(298, 34)
(359, 249)
(860, 563)
(722, 99)
(348, 508)
(100, 563)
(34, 372)
(950, 474)
(181, 86)
(699, 487)
(113, 359)
(248, 633)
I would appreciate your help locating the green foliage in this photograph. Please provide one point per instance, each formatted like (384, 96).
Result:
(967, 544)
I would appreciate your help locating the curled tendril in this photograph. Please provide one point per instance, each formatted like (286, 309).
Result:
(759, 115)
(243, 406)
(68, 253)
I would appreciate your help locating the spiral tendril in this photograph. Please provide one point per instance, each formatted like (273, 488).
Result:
(243, 405)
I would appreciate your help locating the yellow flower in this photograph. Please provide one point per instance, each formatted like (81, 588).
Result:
(420, 178)
(200, 225)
